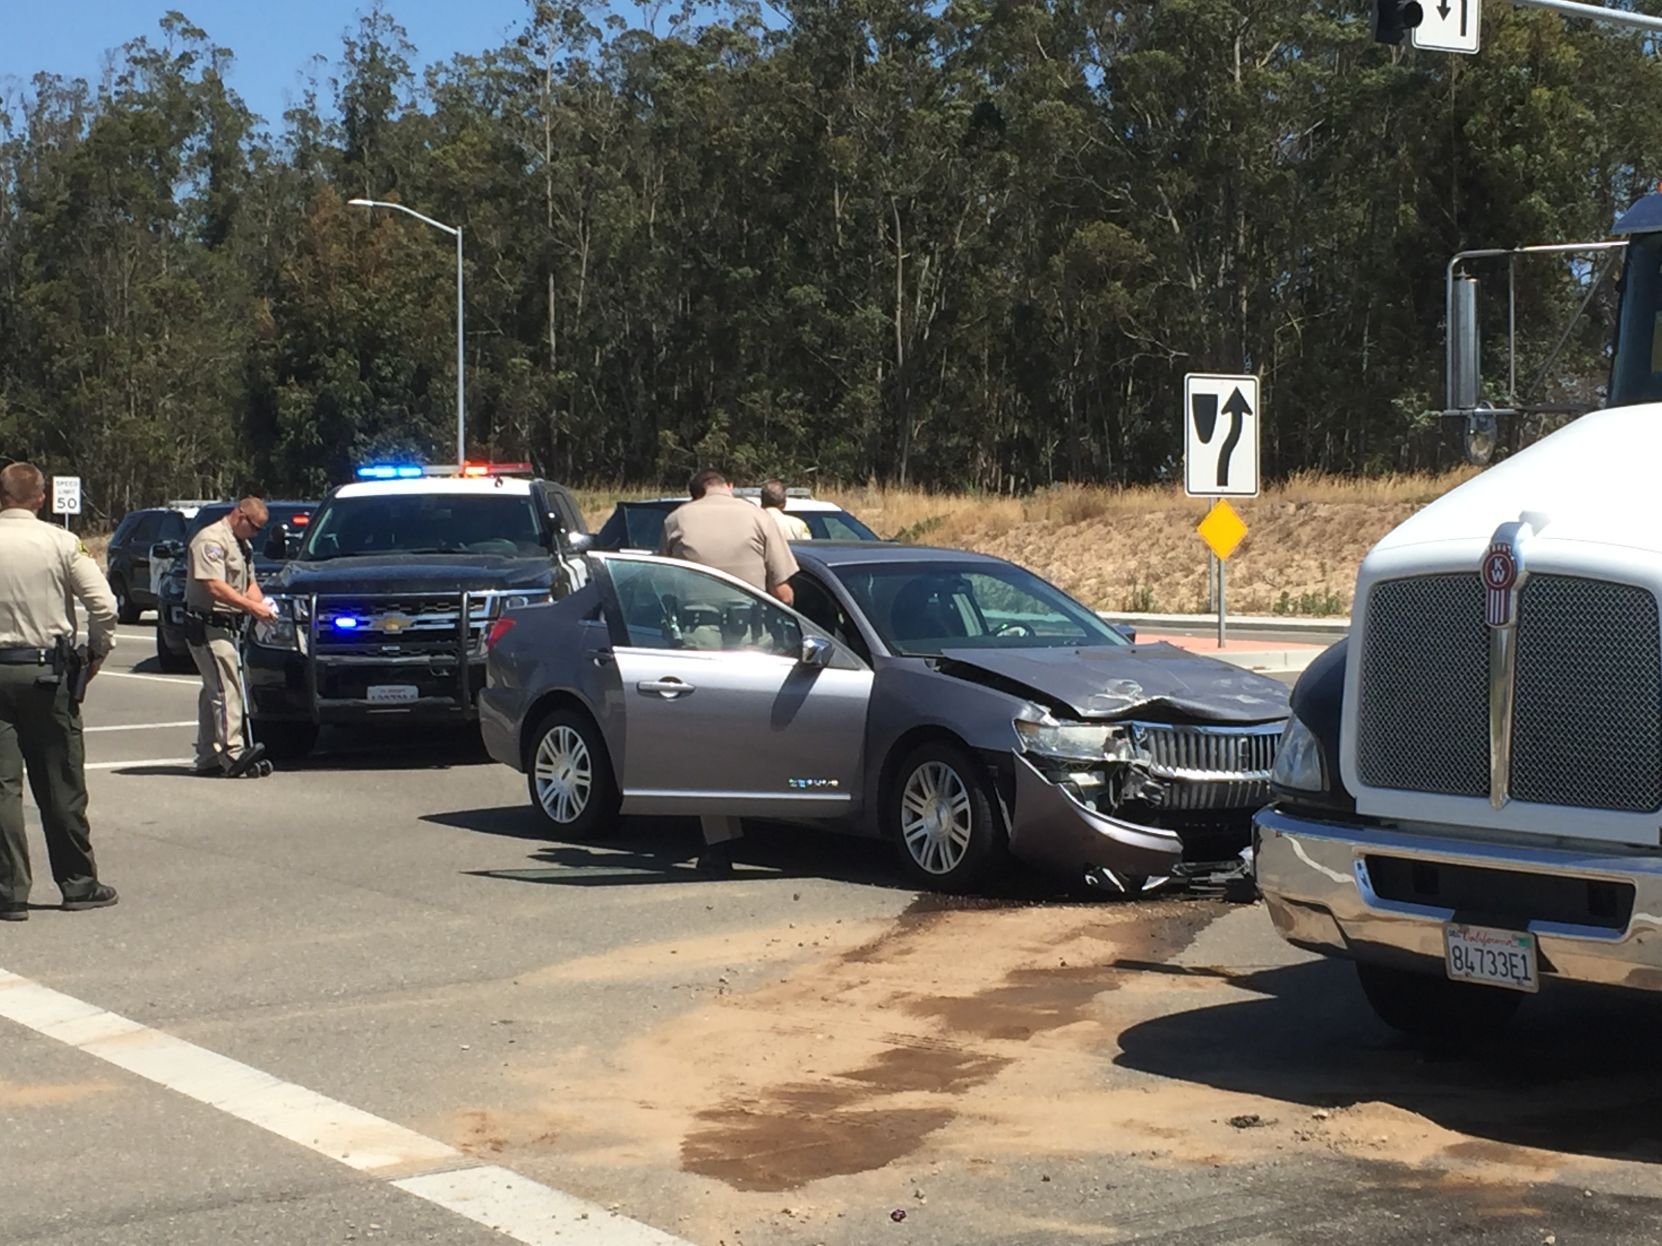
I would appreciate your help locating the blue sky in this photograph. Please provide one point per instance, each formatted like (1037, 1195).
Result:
(274, 40)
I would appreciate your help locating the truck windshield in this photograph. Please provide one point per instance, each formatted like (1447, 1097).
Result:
(373, 525)
(1636, 372)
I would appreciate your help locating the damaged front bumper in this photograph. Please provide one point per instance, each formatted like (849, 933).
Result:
(1054, 829)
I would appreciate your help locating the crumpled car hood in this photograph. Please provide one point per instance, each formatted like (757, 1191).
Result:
(1115, 682)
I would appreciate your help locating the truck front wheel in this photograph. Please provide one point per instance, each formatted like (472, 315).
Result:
(1433, 1009)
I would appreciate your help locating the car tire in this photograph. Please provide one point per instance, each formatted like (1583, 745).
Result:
(171, 662)
(941, 815)
(568, 774)
(1435, 1010)
(285, 741)
(126, 609)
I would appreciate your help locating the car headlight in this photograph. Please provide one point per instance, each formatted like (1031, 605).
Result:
(281, 632)
(1074, 741)
(1298, 760)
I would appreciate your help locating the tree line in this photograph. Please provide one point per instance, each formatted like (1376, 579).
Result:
(961, 245)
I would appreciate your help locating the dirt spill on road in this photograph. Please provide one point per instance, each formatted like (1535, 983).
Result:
(49, 1094)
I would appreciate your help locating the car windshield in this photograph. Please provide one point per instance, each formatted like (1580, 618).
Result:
(640, 525)
(281, 512)
(923, 608)
(376, 524)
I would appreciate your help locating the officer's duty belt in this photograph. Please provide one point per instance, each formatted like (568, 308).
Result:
(230, 620)
(25, 657)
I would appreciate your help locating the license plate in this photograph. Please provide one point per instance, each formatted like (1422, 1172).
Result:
(392, 694)
(1498, 957)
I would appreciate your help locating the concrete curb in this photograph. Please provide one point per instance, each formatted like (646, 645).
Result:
(1267, 660)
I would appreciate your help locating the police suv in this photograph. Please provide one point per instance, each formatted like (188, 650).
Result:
(385, 610)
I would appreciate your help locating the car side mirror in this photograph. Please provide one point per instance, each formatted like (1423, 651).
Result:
(580, 542)
(167, 549)
(816, 652)
(1126, 630)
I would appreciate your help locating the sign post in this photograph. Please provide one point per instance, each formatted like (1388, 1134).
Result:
(66, 497)
(1220, 460)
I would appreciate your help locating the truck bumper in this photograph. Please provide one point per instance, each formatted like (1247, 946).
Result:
(1383, 896)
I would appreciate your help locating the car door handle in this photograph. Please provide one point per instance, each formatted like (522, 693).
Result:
(669, 687)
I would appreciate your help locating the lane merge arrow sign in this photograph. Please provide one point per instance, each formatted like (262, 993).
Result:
(1449, 26)
(1221, 416)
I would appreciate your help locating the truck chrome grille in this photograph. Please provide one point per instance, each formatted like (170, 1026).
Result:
(1423, 718)
(1211, 767)
(1423, 721)
(1587, 730)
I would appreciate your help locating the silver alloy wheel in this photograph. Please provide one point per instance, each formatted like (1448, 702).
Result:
(564, 774)
(936, 818)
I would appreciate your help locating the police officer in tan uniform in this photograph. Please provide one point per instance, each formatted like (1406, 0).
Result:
(43, 571)
(220, 596)
(729, 534)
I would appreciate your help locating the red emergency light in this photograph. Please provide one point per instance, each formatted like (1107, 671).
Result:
(475, 470)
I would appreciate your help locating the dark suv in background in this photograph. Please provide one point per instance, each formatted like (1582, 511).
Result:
(274, 545)
(128, 556)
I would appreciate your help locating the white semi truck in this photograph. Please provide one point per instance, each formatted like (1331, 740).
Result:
(1468, 797)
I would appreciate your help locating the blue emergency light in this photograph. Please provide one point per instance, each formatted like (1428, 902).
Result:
(390, 471)
(345, 622)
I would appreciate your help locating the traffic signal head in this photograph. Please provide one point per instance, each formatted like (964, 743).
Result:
(1394, 18)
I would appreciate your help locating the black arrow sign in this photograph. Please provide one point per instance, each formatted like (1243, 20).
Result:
(1237, 409)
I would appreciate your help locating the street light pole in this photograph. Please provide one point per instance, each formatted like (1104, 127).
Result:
(461, 417)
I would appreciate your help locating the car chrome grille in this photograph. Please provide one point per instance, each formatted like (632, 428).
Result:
(1587, 726)
(1210, 767)
(1423, 718)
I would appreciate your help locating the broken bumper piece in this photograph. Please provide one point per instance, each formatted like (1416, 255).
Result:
(1052, 830)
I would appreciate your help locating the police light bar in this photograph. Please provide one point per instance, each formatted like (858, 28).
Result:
(390, 471)
(475, 470)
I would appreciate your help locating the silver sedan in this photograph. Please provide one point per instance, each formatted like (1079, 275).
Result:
(954, 703)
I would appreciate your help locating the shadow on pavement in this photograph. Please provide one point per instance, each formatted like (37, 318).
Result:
(646, 851)
(1575, 1072)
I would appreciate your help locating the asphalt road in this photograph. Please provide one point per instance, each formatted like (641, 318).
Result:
(364, 1001)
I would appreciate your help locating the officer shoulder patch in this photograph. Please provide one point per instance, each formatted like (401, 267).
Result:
(81, 548)
(213, 551)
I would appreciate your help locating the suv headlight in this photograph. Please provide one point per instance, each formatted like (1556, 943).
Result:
(282, 632)
(1074, 741)
(1298, 760)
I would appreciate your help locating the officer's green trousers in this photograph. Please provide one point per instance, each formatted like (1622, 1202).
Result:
(40, 730)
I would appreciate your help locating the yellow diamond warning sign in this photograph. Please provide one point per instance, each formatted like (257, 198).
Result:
(1222, 529)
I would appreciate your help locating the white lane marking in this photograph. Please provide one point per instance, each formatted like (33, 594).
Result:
(501, 1199)
(517, 1207)
(189, 722)
(184, 681)
(141, 761)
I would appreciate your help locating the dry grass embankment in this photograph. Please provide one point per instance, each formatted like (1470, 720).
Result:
(1136, 549)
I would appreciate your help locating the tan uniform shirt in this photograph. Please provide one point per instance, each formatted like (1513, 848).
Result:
(215, 554)
(793, 528)
(731, 535)
(43, 569)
